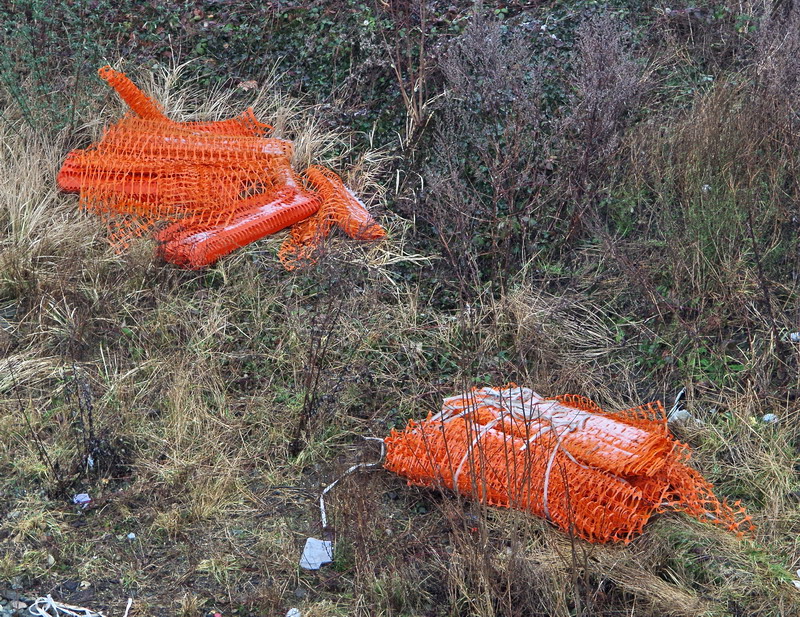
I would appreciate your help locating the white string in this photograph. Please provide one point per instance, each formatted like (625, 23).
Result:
(47, 607)
(322, 511)
(483, 430)
(560, 419)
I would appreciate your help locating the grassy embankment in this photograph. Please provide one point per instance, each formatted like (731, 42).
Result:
(614, 214)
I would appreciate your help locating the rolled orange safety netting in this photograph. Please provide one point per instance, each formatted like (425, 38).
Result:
(205, 189)
(194, 244)
(245, 125)
(596, 474)
(339, 206)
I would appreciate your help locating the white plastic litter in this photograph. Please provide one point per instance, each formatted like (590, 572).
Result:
(294, 612)
(319, 552)
(47, 607)
(679, 415)
(794, 337)
(81, 499)
(316, 554)
(769, 418)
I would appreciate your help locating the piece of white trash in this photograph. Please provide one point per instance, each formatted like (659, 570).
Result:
(294, 612)
(82, 499)
(316, 554)
(679, 415)
(794, 337)
(769, 418)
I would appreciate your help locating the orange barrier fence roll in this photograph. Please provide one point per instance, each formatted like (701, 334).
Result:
(141, 104)
(245, 125)
(206, 188)
(339, 207)
(597, 474)
(195, 245)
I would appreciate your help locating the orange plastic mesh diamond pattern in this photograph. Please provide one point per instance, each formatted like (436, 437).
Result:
(210, 187)
(195, 244)
(600, 475)
(339, 207)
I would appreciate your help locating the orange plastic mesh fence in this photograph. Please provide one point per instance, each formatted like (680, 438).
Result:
(210, 186)
(145, 107)
(195, 245)
(339, 207)
(141, 104)
(600, 475)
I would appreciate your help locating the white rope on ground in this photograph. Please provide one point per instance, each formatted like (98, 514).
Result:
(47, 607)
(322, 511)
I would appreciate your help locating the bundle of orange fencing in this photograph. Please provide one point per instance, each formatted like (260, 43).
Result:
(206, 188)
(596, 474)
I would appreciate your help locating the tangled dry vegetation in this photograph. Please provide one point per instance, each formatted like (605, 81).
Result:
(647, 250)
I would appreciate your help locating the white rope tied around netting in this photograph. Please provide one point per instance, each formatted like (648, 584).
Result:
(554, 416)
(322, 511)
(47, 607)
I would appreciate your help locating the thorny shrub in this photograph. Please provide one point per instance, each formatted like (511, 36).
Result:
(607, 84)
(488, 170)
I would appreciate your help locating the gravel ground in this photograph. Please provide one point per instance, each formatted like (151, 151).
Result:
(14, 603)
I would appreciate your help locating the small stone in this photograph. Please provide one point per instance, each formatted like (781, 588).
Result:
(82, 598)
(18, 605)
(70, 585)
(300, 593)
